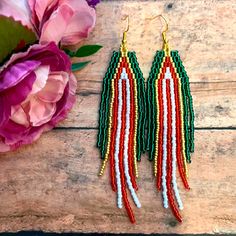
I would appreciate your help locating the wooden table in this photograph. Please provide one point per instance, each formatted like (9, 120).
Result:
(52, 185)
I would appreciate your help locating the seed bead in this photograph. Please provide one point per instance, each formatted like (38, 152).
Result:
(109, 131)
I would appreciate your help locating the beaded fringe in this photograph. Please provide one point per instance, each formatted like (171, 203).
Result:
(170, 125)
(122, 119)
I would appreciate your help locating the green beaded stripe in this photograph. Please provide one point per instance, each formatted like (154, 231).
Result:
(152, 103)
(187, 103)
(141, 104)
(190, 106)
(105, 102)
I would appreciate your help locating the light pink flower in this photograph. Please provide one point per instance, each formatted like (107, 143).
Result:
(65, 21)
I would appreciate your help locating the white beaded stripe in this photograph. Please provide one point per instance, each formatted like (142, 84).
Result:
(117, 145)
(173, 105)
(127, 130)
(164, 161)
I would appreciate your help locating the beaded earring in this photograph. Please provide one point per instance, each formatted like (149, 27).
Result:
(170, 123)
(122, 117)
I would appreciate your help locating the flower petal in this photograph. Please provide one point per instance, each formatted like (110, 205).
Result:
(76, 32)
(40, 7)
(41, 78)
(55, 27)
(47, 54)
(81, 24)
(34, 18)
(66, 102)
(4, 147)
(42, 115)
(40, 112)
(19, 10)
(15, 96)
(12, 132)
(16, 135)
(19, 116)
(5, 110)
(16, 73)
(19, 93)
(54, 88)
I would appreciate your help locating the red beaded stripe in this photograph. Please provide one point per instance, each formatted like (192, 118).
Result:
(121, 155)
(178, 129)
(114, 129)
(169, 155)
(161, 127)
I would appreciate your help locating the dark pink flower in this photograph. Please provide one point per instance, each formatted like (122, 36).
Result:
(37, 90)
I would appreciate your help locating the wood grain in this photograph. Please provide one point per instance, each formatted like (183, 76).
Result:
(52, 185)
(214, 104)
(197, 29)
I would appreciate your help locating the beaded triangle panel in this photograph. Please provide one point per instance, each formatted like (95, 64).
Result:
(170, 126)
(122, 117)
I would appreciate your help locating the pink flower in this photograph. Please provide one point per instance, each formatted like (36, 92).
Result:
(37, 90)
(65, 21)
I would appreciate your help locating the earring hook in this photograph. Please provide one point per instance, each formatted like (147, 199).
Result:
(166, 23)
(124, 40)
(165, 41)
(127, 27)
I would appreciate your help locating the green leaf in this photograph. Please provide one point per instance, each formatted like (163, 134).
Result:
(84, 51)
(14, 36)
(69, 52)
(79, 66)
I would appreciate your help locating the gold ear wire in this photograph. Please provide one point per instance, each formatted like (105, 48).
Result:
(124, 39)
(127, 27)
(165, 41)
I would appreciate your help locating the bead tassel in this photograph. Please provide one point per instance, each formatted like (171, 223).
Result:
(187, 105)
(141, 103)
(170, 125)
(170, 157)
(124, 139)
(132, 127)
(105, 101)
(114, 130)
(180, 160)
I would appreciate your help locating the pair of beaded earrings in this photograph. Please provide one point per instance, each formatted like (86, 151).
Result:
(159, 120)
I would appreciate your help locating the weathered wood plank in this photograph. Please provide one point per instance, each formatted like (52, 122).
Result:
(202, 31)
(214, 103)
(53, 186)
(197, 29)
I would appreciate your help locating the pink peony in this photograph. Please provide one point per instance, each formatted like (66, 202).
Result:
(37, 90)
(65, 21)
